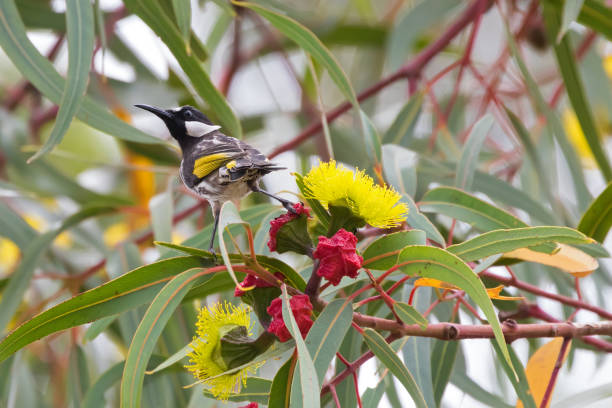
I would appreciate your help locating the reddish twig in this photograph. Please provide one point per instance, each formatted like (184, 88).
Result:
(143, 238)
(555, 373)
(228, 75)
(540, 292)
(16, 95)
(410, 70)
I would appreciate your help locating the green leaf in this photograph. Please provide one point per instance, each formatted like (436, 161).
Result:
(401, 130)
(467, 208)
(152, 13)
(13, 227)
(587, 397)
(20, 279)
(386, 248)
(126, 292)
(255, 390)
(597, 220)
(308, 375)
(182, 11)
(571, 10)
(80, 33)
(273, 264)
(78, 375)
(436, 263)
(372, 396)
(310, 43)
(596, 15)
(417, 220)
(280, 392)
(176, 357)
(506, 240)
(323, 341)
(371, 138)
(471, 150)
(400, 166)
(409, 314)
(553, 123)
(474, 390)
(161, 208)
(575, 90)
(516, 373)
(443, 358)
(417, 350)
(94, 398)
(149, 330)
(97, 327)
(387, 356)
(497, 189)
(41, 73)
(530, 149)
(229, 215)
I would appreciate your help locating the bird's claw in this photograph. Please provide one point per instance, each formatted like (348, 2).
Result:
(289, 207)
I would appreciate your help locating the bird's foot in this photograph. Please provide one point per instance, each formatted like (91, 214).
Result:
(289, 207)
(214, 256)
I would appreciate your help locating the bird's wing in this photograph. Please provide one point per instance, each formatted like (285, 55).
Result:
(214, 153)
(221, 150)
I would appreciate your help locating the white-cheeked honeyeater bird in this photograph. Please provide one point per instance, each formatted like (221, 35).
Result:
(216, 167)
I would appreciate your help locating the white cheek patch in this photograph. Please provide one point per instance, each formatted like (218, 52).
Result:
(197, 129)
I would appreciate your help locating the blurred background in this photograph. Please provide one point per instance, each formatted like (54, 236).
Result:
(276, 91)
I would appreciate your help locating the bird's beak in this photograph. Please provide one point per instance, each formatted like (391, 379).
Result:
(162, 114)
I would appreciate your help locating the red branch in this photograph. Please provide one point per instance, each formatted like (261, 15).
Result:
(410, 70)
(555, 373)
(540, 292)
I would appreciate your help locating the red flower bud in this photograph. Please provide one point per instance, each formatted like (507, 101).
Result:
(281, 220)
(251, 405)
(337, 256)
(302, 311)
(252, 280)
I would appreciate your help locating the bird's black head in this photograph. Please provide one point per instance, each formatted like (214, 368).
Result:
(186, 124)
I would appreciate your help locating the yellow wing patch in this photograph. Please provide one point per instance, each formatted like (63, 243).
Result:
(231, 164)
(207, 164)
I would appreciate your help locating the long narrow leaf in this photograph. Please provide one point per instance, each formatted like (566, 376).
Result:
(41, 73)
(471, 150)
(431, 262)
(575, 90)
(310, 43)
(309, 382)
(155, 16)
(597, 220)
(323, 341)
(20, 279)
(148, 332)
(126, 292)
(387, 356)
(80, 33)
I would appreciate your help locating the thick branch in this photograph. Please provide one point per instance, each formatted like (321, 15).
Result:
(410, 70)
(511, 329)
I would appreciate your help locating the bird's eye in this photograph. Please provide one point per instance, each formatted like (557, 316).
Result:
(188, 115)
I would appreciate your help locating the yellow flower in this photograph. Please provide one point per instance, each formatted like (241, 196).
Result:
(9, 254)
(607, 63)
(335, 185)
(206, 362)
(63, 240)
(576, 137)
(116, 233)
